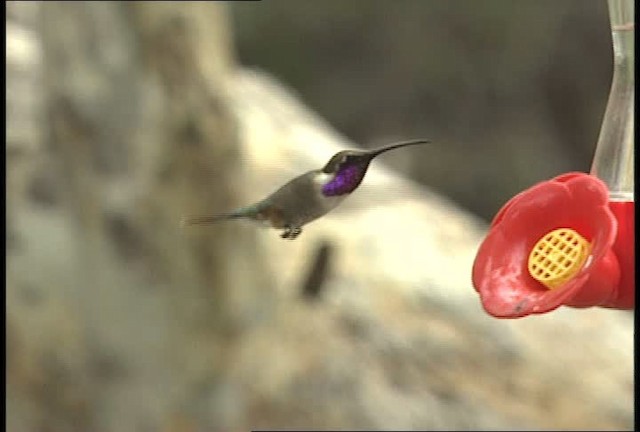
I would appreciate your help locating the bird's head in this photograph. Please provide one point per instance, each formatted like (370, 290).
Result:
(349, 167)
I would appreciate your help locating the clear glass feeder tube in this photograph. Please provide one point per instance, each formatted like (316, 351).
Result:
(613, 160)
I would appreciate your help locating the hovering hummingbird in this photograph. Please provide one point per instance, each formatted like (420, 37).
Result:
(308, 196)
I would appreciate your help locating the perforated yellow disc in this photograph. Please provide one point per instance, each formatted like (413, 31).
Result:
(557, 257)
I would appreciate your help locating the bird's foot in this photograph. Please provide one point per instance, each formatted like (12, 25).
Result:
(290, 233)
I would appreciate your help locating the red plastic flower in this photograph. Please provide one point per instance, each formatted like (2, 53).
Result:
(501, 274)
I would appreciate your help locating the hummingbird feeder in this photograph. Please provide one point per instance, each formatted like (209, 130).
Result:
(569, 241)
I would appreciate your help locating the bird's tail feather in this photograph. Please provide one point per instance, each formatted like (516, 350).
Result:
(210, 219)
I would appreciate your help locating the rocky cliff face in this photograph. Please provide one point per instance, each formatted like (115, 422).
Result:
(398, 338)
(124, 332)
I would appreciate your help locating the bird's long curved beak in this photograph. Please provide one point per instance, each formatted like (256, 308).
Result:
(376, 152)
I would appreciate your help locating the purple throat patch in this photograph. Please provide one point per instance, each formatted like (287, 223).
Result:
(345, 181)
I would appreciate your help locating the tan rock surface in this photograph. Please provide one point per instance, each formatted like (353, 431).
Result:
(402, 325)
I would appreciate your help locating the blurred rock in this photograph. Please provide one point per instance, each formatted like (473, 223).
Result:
(403, 341)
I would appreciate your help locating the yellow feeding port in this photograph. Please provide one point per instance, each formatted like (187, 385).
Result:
(557, 257)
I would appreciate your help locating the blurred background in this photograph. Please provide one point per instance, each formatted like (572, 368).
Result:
(124, 116)
(511, 93)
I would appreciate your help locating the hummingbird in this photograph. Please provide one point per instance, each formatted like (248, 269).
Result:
(308, 196)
